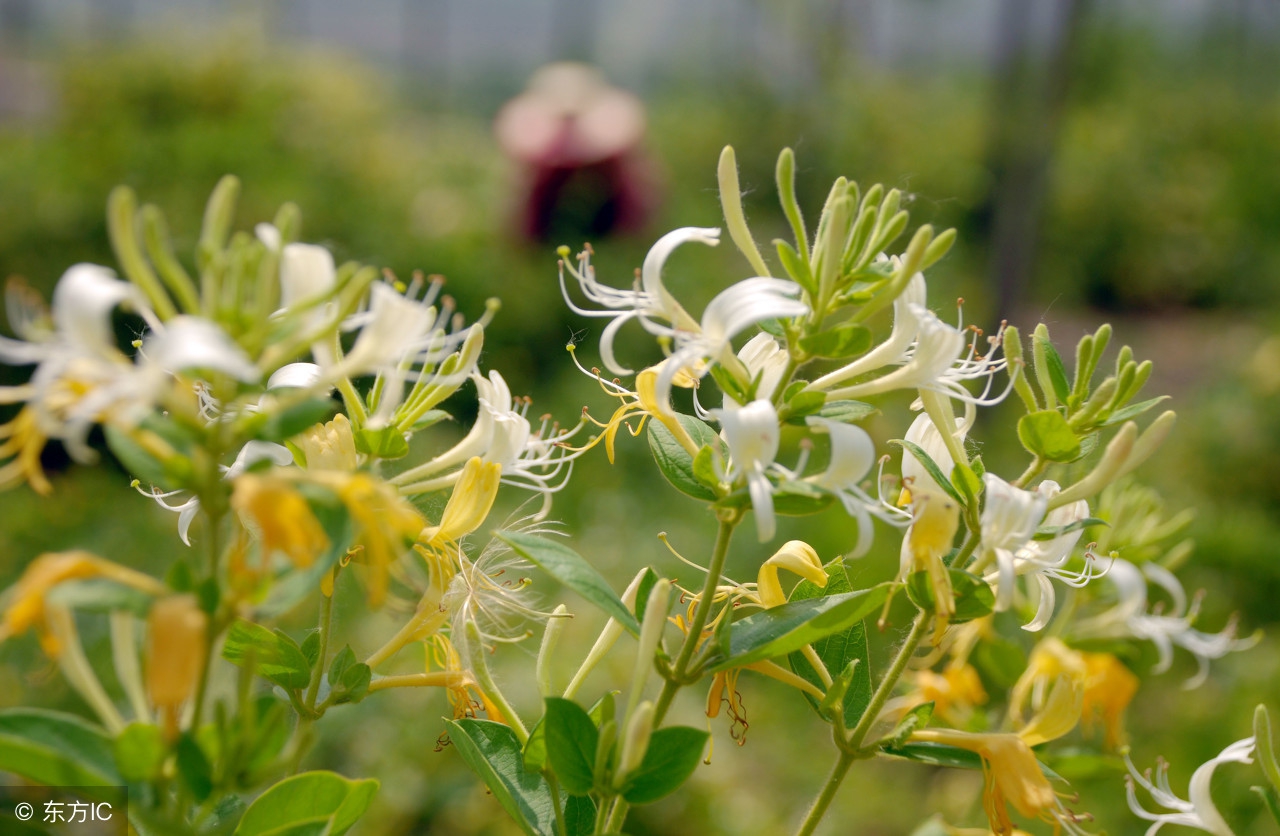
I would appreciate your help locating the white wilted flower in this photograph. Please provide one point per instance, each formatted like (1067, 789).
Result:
(1128, 618)
(752, 434)
(1198, 810)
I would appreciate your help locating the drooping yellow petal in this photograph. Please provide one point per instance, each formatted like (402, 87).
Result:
(385, 524)
(23, 443)
(274, 509)
(26, 599)
(646, 391)
(795, 556)
(469, 505)
(1109, 688)
(1050, 660)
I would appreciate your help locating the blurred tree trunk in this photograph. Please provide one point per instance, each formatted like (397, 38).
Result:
(1031, 81)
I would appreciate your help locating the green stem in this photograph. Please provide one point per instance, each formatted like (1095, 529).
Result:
(887, 684)
(561, 829)
(617, 815)
(326, 619)
(1037, 466)
(823, 801)
(700, 615)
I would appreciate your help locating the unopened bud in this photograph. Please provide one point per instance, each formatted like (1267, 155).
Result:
(636, 742)
(176, 637)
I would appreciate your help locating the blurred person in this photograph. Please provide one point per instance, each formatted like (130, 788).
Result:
(578, 141)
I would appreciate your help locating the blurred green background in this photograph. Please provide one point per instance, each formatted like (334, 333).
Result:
(1116, 162)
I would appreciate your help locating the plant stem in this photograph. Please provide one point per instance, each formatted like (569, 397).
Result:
(887, 683)
(823, 801)
(1037, 466)
(617, 815)
(561, 830)
(851, 746)
(703, 611)
(326, 619)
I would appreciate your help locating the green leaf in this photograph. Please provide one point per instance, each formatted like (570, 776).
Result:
(782, 630)
(802, 405)
(837, 650)
(1049, 532)
(140, 751)
(1077, 764)
(579, 816)
(675, 462)
(312, 802)
(56, 749)
(430, 418)
(916, 718)
(270, 654)
(1000, 660)
(936, 754)
(193, 767)
(847, 412)
(101, 595)
(535, 748)
(493, 752)
(647, 580)
(672, 756)
(386, 443)
(842, 341)
(1271, 799)
(964, 480)
(1047, 434)
(772, 327)
(137, 460)
(348, 679)
(571, 745)
(1132, 411)
(931, 467)
(730, 385)
(973, 596)
(279, 426)
(569, 567)
(792, 499)
(311, 647)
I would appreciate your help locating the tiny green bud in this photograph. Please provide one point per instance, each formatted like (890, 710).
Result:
(550, 638)
(1012, 343)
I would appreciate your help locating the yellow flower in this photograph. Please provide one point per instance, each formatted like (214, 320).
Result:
(26, 599)
(280, 516)
(795, 556)
(1050, 661)
(177, 634)
(385, 524)
(329, 446)
(645, 404)
(954, 693)
(472, 497)
(935, 517)
(1013, 775)
(1109, 687)
(22, 442)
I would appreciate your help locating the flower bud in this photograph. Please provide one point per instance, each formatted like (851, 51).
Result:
(636, 742)
(176, 638)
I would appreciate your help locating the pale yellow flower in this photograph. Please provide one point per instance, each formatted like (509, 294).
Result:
(329, 446)
(468, 505)
(177, 635)
(281, 518)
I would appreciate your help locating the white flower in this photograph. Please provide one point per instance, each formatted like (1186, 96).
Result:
(852, 455)
(394, 327)
(728, 314)
(1128, 618)
(1046, 560)
(648, 300)
(1198, 811)
(893, 351)
(763, 357)
(188, 342)
(295, 376)
(752, 434)
(1009, 520)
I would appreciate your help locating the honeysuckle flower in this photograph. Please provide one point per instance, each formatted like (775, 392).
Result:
(1013, 775)
(763, 358)
(649, 299)
(468, 505)
(935, 517)
(192, 343)
(385, 523)
(753, 435)
(177, 633)
(1009, 520)
(1044, 561)
(1128, 618)
(81, 376)
(728, 314)
(329, 446)
(1050, 661)
(955, 692)
(270, 506)
(852, 455)
(1198, 810)
(295, 376)
(639, 405)
(24, 602)
(1109, 687)
(893, 351)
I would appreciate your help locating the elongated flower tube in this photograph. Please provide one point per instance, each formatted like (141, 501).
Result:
(649, 300)
(753, 436)
(1198, 810)
(893, 351)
